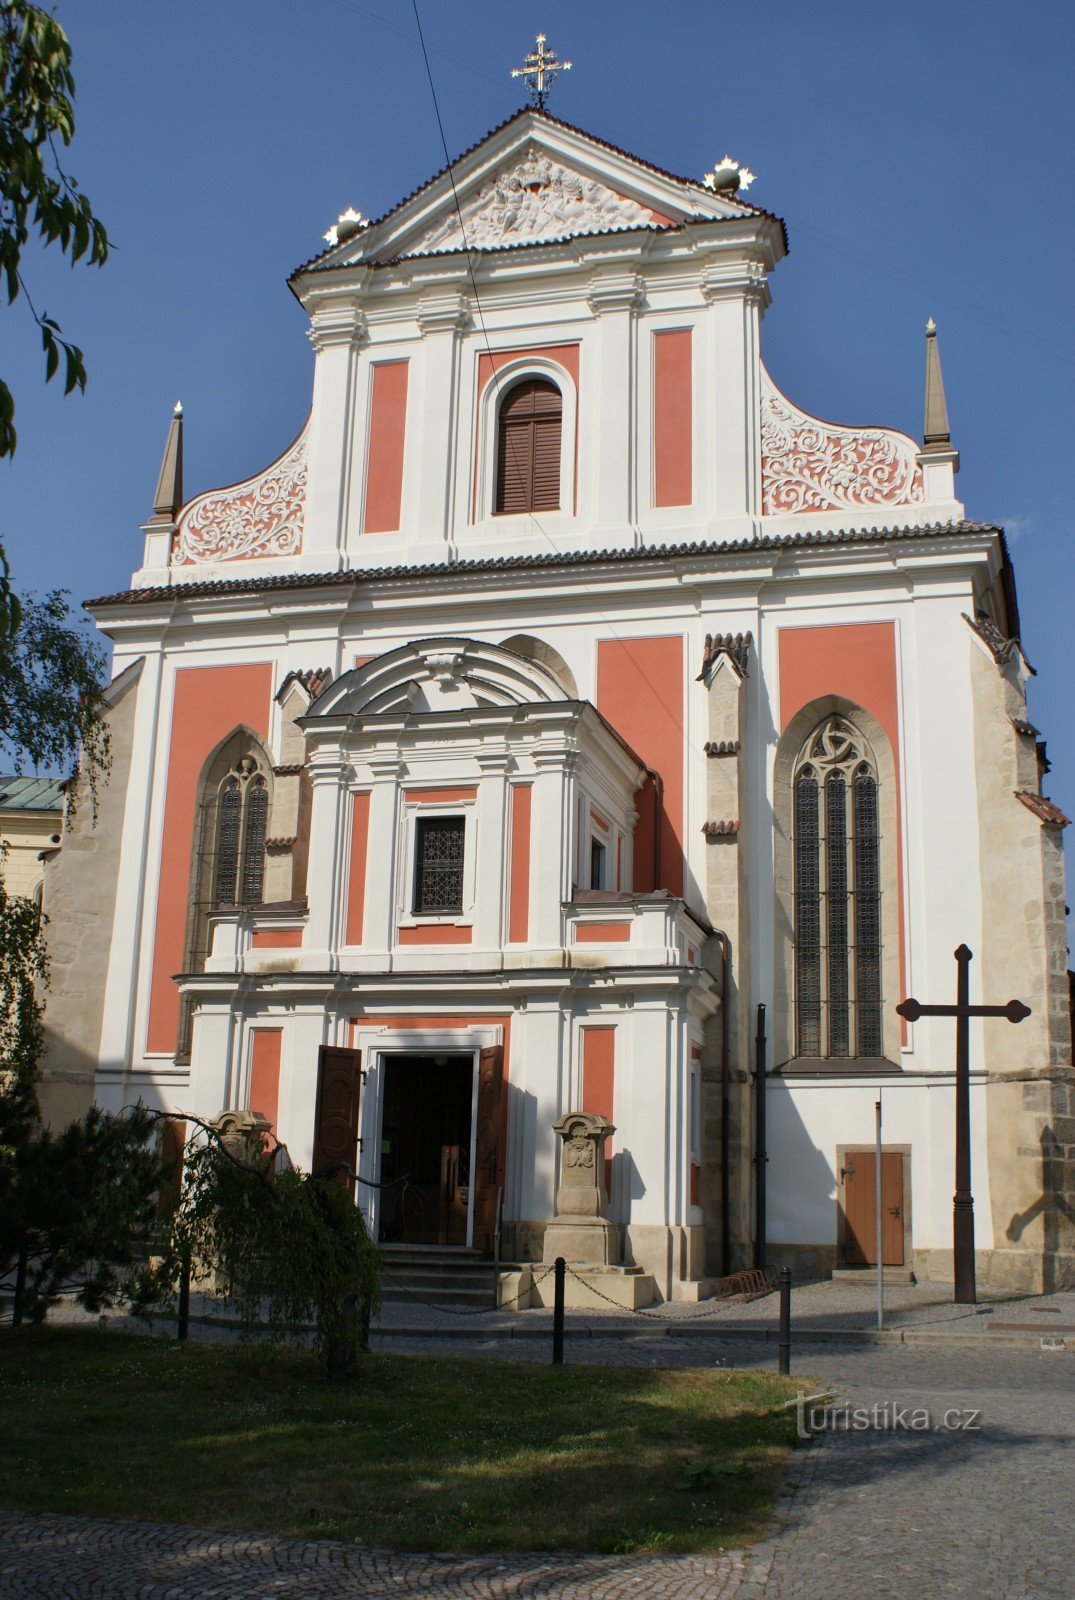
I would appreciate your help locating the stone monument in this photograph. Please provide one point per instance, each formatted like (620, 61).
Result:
(581, 1232)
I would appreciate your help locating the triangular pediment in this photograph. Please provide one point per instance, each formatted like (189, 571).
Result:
(534, 199)
(534, 180)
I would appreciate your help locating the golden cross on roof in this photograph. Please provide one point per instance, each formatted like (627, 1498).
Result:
(540, 70)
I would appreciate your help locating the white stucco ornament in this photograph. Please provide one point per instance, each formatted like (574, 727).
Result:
(533, 200)
(810, 465)
(247, 521)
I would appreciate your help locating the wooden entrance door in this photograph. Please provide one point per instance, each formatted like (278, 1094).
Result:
(488, 1154)
(339, 1087)
(860, 1208)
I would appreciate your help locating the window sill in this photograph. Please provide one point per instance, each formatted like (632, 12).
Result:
(451, 919)
(838, 1067)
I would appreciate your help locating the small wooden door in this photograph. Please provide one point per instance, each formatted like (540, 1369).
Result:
(860, 1208)
(488, 1162)
(339, 1085)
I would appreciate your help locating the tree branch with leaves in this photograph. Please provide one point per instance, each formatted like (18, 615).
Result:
(38, 198)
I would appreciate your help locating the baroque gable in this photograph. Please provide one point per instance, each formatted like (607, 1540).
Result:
(808, 465)
(258, 518)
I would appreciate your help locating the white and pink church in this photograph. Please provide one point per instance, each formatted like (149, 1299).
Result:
(561, 695)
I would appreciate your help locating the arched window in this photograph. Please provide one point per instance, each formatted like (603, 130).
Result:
(529, 429)
(242, 811)
(228, 868)
(836, 844)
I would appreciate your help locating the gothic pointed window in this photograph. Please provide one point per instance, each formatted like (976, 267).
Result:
(837, 895)
(228, 869)
(242, 809)
(529, 432)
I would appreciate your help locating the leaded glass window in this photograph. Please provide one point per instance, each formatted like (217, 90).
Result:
(836, 854)
(439, 844)
(242, 814)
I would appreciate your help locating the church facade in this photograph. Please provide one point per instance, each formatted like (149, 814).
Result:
(560, 697)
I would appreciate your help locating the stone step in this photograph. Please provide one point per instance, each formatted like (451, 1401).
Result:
(867, 1275)
(454, 1295)
(441, 1280)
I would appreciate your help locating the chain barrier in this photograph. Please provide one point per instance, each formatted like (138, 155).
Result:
(761, 1283)
(765, 1276)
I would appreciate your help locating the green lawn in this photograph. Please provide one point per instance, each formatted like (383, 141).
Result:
(422, 1453)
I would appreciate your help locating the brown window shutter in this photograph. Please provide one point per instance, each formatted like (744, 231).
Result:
(546, 486)
(339, 1083)
(529, 431)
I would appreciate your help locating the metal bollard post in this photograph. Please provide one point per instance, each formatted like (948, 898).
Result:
(559, 1279)
(784, 1362)
(183, 1309)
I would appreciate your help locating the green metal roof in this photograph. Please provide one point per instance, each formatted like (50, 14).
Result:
(30, 794)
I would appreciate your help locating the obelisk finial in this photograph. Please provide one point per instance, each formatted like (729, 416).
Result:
(168, 499)
(935, 432)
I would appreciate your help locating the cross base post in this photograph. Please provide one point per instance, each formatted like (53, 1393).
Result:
(966, 1292)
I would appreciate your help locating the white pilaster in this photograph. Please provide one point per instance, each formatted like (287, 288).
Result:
(490, 919)
(382, 861)
(737, 293)
(326, 874)
(442, 319)
(611, 433)
(337, 331)
(122, 984)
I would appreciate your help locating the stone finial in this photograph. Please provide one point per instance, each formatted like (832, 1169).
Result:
(243, 1134)
(936, 434)
(168, 500)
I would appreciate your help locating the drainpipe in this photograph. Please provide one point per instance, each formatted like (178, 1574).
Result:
(658, 807)
(761, 1243)
(725, 1106)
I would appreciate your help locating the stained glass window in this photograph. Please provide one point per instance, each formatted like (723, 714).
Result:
(837, 889)
(438, 865)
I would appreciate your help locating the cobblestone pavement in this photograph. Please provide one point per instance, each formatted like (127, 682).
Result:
(892, 1514)
(74, 1558)
(882, 1514)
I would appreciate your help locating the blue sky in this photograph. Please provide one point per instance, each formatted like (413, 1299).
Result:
(920, 153)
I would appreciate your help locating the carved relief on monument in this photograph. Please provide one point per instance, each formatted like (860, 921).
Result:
(259, 518)
(810, 465)
(537, 199)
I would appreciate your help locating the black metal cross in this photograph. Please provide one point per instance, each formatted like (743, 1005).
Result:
(963, 1200)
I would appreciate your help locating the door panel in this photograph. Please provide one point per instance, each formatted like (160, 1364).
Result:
(339, 1085)
(488, 1156)
(860, 1208)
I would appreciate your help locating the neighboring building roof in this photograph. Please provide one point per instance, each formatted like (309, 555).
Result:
(30, 794)
(352, 577)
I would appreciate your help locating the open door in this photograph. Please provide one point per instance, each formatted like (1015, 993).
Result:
(488, 1155)
(339, 1084)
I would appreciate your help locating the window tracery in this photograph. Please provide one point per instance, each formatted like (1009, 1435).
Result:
(837, 895)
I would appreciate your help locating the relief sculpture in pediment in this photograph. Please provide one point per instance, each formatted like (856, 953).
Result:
(538, 199)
